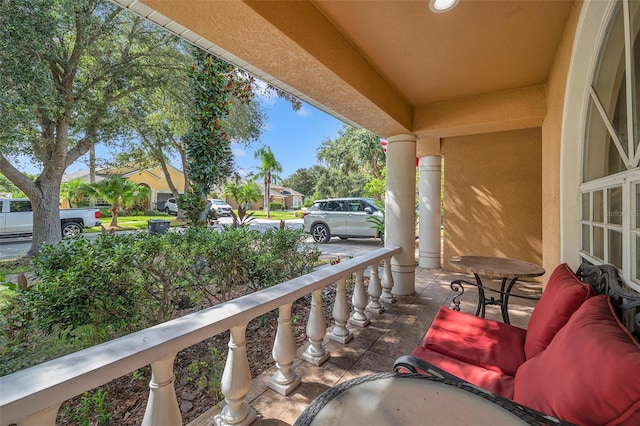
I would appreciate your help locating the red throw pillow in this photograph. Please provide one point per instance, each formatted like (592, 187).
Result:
(562, 296)
(589, 374)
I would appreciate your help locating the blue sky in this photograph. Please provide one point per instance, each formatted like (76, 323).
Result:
(292, 135)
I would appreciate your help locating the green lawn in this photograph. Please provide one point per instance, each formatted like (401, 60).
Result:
(275, 215)
(127, 223)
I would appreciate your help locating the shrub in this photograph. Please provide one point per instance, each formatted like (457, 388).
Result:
(87, 292)
(299, 214)
(275, 206)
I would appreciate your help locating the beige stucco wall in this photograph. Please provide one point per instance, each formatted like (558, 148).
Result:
(551, 146)
(493, 195)
(156, 180)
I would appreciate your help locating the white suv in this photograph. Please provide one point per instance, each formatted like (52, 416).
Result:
(341, 217)
(221, 207)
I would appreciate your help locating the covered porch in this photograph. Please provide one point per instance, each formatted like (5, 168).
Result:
(395, 332)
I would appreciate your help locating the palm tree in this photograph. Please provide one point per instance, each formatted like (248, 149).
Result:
(117, 191)
(243, 194)
(69, 191)
(268, 166)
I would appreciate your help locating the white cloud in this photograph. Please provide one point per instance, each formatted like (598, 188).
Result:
(303, 112)
(264, 94)
(239, 152)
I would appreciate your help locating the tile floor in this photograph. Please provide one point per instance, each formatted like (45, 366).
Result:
(374, 348)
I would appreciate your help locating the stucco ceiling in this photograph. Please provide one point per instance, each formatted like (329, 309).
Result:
(380, 64)
(478, 47)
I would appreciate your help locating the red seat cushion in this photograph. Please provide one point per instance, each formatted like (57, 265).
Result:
(493, 381)
(563, 295)
(589, 374)
(486, 343)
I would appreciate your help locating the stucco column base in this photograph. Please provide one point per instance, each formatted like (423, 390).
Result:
(404, 278)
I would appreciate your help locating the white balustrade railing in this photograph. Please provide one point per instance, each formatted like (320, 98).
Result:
(34, 395)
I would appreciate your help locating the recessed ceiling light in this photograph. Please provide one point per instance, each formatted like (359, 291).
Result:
(440, 6)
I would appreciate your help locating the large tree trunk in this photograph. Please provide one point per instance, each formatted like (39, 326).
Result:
(45, 201)
(92, 171)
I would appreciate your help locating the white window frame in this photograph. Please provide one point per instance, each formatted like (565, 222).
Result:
(625, 180)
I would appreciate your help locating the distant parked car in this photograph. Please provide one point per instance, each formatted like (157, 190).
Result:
(221, 207)
(341, 217)
(171, 206)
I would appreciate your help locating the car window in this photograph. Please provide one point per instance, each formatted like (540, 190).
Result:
(318, 206)
(335, 206)
(357, 206)
(171, 200)
(20, 206)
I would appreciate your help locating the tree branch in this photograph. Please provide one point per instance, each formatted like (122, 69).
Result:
(25, 184)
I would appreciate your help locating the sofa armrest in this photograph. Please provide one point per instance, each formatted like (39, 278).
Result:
(418, 366)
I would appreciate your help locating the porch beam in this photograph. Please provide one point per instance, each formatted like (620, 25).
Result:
(522, 108)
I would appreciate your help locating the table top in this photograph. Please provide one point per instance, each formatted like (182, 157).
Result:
(496, 267)
(404, 399)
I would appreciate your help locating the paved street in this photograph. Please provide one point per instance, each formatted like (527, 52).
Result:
(11, 248)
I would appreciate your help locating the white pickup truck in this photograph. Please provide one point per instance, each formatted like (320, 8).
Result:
(16, 218)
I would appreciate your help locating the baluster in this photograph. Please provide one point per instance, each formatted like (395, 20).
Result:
(387, 282)
(285, 378)
(316, 330)
(44, 417)
(235, 382)
(359, 301)
(340, 332)
(374, 290)
(162, 406)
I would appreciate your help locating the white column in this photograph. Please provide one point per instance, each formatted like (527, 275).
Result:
(374, 290)
(162, 406)
(235, 383)
(430, 240)
(359, 301)
(400, 210)
(340, 332)
(285, 379)
(316, 330)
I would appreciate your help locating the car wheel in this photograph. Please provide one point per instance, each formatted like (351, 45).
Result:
(167, 211)
(71, 230)
(321, 233)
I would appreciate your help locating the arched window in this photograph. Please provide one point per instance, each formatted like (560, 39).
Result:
(610, 192)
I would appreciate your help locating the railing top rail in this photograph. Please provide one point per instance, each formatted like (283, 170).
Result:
(31, 390)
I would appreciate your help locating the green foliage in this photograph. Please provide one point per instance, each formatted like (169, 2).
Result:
(66, 68)
(244, 195)
(377, 222)
(207, 376)
(93, 409)
(7, 187)
(208, 146)
(85, 283)
(275, 205)
(89, 292)
(304, 180)
(193, 204)
(267, 170)
(117, 191)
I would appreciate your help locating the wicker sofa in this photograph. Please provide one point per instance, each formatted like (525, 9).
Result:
(575, 361)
